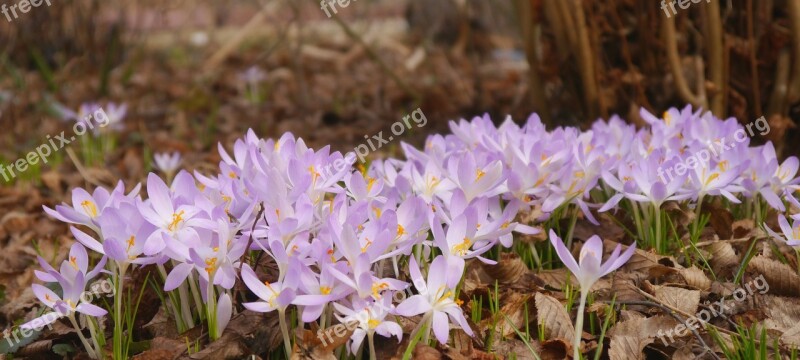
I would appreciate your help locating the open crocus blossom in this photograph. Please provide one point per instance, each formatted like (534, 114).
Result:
(791, 232)
(340, 234)
(588, 269)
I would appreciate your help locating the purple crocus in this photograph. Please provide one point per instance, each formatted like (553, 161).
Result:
(436, 299)
(587, 270)
(168, 163)
(791, 232)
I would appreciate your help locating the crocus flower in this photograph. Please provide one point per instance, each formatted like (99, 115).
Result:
(87, 207)
(588, 270)
(371, 318)
(436, 299)
(168, 163)
(791, 232)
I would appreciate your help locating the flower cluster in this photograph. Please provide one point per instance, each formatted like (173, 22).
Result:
(340, 241)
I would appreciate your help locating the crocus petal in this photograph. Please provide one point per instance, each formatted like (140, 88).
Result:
(87, 240)
(91, 310)
(564, 254)
(258, 306)
(414, 305)
(224, 311)
(178, 274)
(441, 326)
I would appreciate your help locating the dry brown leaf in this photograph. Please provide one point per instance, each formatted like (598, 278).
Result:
(781, 278)
(643, 327)
(695, 278)
(509, 268)
(791, 337)
(722, 222)
(627, 347)
(512, 310)
(723, 258)
(552, 315)
(678, 298)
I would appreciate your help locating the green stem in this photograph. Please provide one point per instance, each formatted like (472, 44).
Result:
(576, 343)
(657, 210)
(85, 342)
(572, 221)
(118, 321)
(285, 332)
(371, 337)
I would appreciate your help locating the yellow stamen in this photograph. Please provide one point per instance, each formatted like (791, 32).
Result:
(365, 247)
(211, 265)
(723, 165)
(377, 288)
(479, 174)
(176, 219)
(324, 290)
(462, 248)
(232, 175)
(74, 262)
(131, 241)
(711, 178)
(370, 183)
(89, 208)
(400, 230)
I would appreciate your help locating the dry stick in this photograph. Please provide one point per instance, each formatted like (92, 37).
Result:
(751, 40)
(377, 59)
(552, 15)
(716, 328)
(716, 64)
(794, 15)
(90, 179)
(565, 17)
(671, 44)
(250, 238)
(676, 317)
(585, 56)
(231, 45)
(778, 99)
(536, 88)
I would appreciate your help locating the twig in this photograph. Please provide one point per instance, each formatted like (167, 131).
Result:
(669, 312)
(671, 45)
(240, 36)
(250, 238)
(90, 179)
(716, 61)
(751, 40)
(794, 15)
(535, 87)
(375, 58)
(586, 57)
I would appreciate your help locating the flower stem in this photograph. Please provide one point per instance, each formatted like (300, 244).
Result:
(85, 342)
(118, 325)
(657, 210)
(371, 337)
(576, 343)
(285, 332)
(572, 221)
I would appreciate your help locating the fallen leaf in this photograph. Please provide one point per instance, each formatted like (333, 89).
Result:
(554, 318)
(781, 278)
